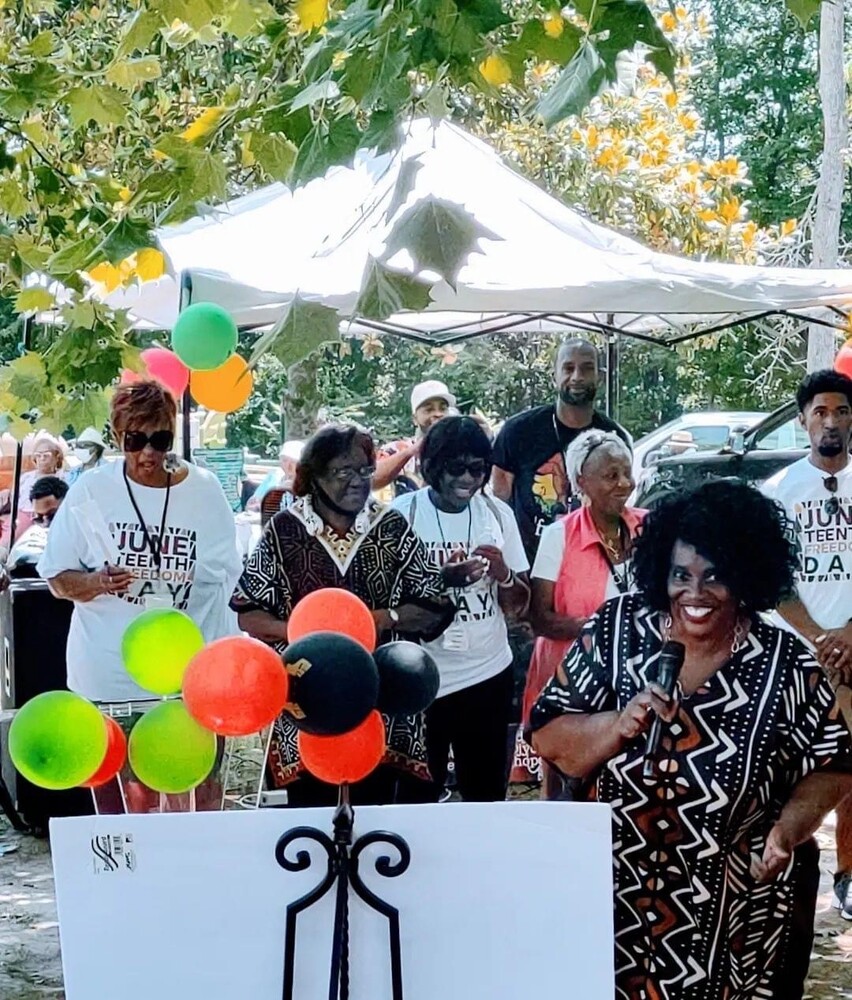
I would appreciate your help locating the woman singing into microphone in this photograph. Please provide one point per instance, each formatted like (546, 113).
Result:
(715, 870)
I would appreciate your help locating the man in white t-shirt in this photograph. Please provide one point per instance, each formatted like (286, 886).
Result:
(459, 524)
(816, 492)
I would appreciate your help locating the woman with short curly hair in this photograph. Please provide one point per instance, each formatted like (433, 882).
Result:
(715, 869)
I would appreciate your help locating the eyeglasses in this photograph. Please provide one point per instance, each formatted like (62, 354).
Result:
(458, 467)
(347, 475)
(833, 505)
(160, 440)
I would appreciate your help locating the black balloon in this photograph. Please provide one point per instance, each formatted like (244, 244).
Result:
(408, 678)
(334, 683)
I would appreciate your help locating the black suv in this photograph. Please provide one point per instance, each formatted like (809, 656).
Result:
(752, 456)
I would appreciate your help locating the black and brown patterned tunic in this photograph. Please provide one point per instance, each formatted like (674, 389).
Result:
(691, 923)
(381, 560)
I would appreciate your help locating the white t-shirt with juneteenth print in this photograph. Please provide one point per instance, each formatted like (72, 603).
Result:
(485, 644)
(199, 568)
(824, 578)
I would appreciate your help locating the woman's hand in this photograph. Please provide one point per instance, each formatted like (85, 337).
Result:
(776, 855)
(412, 619)
(458, 572)
(636, 716)
(497, 568)
(834, 652)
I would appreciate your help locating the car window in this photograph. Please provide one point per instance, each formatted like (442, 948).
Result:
(709, 438)
(788, 435)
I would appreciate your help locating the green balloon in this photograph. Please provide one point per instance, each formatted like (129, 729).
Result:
(58, 740)
(169, 751)
(204, 336)
(157, 646)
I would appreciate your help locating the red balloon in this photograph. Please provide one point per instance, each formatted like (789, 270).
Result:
(116, 754)
(166, 367)
(333, 609)
(346, 758)
(128, 377)
(235, 686)
(843, 361)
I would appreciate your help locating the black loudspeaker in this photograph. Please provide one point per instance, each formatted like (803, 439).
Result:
(33, 633)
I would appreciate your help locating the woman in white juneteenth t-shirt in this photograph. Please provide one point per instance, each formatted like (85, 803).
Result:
(459, 523)
(169, 540)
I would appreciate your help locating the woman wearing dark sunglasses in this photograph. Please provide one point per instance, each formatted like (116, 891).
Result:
(135, 534)
(475, 538)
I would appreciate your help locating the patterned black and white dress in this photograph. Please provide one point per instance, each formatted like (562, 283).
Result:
(690, 922)
(381, 560)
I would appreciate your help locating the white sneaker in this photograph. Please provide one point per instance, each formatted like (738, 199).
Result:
(843, 894)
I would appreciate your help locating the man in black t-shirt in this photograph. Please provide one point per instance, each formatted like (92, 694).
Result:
(529, 453)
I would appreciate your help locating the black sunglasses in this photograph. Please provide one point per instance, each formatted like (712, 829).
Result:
(458, 467)
(833, 505)
(159, 440)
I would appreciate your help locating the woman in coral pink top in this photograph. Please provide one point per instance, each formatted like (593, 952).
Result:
(584, 558)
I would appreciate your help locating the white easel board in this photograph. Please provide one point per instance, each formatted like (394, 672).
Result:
(500, 901)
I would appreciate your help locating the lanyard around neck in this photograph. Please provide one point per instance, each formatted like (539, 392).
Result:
(155, 545)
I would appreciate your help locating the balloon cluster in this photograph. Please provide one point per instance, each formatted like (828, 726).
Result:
(329, 682)
(204, 342)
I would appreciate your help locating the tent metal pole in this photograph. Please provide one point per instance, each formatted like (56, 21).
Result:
(26, 333)
(709, 331)
(186, 400)
(612, 372)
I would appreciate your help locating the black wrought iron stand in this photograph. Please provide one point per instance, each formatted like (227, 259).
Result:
(343, 857)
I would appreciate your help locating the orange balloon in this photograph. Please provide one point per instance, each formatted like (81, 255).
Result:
(333, 609)
(235, 686)
(225, 388)
(116, 754)
(349, 757)
(843, 361)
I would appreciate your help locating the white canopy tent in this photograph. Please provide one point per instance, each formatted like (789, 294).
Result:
(541, 266)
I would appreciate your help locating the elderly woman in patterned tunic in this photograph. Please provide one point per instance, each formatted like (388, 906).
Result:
(335, 535)
(715, 868)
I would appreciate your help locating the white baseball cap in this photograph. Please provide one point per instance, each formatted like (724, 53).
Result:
(291, 450)
(91, 436)
(433, 389)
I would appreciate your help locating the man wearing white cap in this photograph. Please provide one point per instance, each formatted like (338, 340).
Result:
(89, 451)
(399, 462)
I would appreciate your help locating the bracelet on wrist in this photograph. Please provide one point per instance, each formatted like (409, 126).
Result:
(508, 582)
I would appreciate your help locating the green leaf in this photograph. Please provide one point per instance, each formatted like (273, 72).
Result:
(34, 300)
(129, 73)
(315, 93)
(325, 145)
(245, 17)
(198, 14)
(73, 257)
(275, 154)
(140, 33)
(26, 377)
(13, 201)
(303, 328)
(805, 10)
(382, 133)
(81, 314)
(104, 105)
(627, 23)
(127, 237)
(42, 45)
(535, 43)
(33, 256)
(28, 90)
(385, 292)
(404, 185)
(439, 235)
(574, 88)
(90, 409)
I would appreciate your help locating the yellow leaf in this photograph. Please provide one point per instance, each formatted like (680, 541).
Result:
(34, 300)
(496, 70)
(125, 194)
(708, 215)
(788, 227)
(311, 14)
(668, 22)
(730, 210)
(554, 24)
(203, 124)
(150, 264)
(106, 274)
(671, 99)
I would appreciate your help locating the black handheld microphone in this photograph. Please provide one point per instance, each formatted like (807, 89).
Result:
(668, 671)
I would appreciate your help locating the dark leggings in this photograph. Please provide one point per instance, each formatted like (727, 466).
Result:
(475, 723)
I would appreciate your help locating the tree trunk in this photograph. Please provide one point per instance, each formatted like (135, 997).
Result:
(301, 402)
(822, 344)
